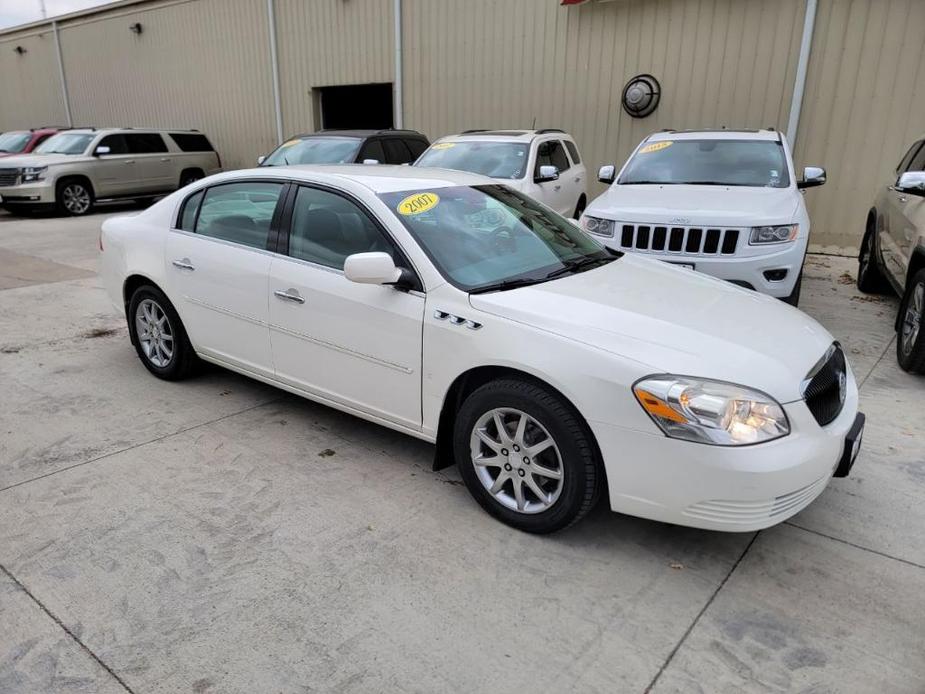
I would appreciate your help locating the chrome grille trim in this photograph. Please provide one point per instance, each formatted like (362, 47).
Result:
(9, 177)
(669, 239)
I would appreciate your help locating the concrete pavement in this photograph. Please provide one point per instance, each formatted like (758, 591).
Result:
(218, 535)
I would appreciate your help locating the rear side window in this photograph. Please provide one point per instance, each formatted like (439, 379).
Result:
(188, 213)
(238, 212)
(396, 151)
(145, 143)
(417, 147)
(573, 151)
(551, 153)
(192, 142)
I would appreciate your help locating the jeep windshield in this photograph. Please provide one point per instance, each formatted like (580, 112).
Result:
(14, 141)
(315, 150)
(713, 162)
(65, 143)
(491, 238)
(493, 159)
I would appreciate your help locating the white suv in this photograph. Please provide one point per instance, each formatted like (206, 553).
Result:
(726, 203)
(543, 164)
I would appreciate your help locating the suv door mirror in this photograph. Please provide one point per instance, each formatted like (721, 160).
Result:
(546, 173)
(371, 162)
(262, 158)
(607, 174)
(912, 182)
(371, 268)
(102, 149)
(812, 176)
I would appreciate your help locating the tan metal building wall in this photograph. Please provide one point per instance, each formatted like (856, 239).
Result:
(30, 90)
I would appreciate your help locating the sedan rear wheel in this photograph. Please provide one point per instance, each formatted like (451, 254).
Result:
(158, 335)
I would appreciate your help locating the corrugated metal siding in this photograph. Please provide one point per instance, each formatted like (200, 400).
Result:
(325, 43)
(201, 64)
(485, 64)
(30, 89)
(863, 107)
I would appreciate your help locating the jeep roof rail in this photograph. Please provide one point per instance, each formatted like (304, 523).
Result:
(543, 131)
(476, 130)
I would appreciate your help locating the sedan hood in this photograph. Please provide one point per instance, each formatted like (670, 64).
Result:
(672, 320)
(21, 161)
(693, 205)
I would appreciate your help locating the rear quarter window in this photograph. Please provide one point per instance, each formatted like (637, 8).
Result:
(192, 142)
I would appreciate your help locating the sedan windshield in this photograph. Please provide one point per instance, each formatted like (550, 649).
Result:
(65, 143)
(485, 238)
(494, 159)
(14, 141)
(758, 163)
(315, 150)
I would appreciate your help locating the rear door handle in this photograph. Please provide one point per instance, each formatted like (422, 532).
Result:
(129, 161)
(903, 198)
(184, 264)
(290, 295)
(577, 179)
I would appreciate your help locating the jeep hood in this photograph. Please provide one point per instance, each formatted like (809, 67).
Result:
(685, 205)
(672, 320)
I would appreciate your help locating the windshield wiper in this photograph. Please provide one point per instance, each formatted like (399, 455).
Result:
(575, 266)
(506, 284)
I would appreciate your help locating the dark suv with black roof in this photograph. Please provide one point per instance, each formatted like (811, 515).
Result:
(349, 147)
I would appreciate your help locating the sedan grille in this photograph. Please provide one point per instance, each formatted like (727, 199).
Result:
(8, 177)
(681, 240)
(825, 386)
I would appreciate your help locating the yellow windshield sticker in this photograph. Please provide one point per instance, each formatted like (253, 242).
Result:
(656, 147)
(290, 143)
(443, 145)
(418, 203)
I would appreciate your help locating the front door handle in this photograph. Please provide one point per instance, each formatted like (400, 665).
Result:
(290, 295)
(129, 161)
(557, 188)
(165, 158)
(903, 198)
(184, 264)
(577, 179)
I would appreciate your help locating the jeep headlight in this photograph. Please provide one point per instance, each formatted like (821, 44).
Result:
(713, 412)
(773, 234)
(33, 173)
(598, 226)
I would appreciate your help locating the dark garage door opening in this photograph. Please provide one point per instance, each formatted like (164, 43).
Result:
(357, 106)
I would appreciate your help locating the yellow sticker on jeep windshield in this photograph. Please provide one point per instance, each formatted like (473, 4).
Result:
(290, 143)
(656, 147)
(418, 203)
(443, 145)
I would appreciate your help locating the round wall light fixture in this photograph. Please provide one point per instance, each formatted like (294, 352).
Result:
(641, 95)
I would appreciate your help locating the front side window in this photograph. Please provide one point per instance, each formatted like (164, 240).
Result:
(573, 151)
(116, 143)
(145, 143)
(711, 162)
(238, 212)
(326, 228)
(65, 143)
(491, 237)
(551, 154)
(494, 159)
(14, 141)
(315, 150)
(907, 159)
(372, 150)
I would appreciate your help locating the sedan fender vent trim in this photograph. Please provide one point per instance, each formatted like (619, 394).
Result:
(457, 320)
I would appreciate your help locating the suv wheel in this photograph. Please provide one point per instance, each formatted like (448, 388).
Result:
(159, 336)
(189, 177)
(525, 456)
(74, 197)
(910, 343)
(870, 276)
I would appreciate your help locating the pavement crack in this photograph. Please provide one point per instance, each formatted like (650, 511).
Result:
(877, 363)
(856, 546)
(700, 614)
(143, 443)
(66, 630)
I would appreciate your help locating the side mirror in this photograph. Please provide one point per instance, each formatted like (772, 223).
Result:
(102, 149)
(262, 158)
(371, 268)
(912, 182)
(371, 162)
(607, 174)
(812, 176)
(546, 173)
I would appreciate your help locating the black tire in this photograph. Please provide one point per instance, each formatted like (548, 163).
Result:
(910, 353)
(183, 360)
(581, 476)
(870, 276)
(190, 176)
(580, 207)
(74, 197)
(794, 298)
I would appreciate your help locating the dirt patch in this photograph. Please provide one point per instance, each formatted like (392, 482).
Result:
(327, 453)
(845, 278)
(100, 332)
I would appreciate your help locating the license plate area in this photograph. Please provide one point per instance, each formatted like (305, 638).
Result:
(852, 447)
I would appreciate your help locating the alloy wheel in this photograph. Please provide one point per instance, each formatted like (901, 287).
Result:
(866, 255)
(155, 334)
(912, 321)
(76, 198)
(516, 460)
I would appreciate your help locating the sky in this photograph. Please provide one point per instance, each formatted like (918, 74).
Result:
(13, 12)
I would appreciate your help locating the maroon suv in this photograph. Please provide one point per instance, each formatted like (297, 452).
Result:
(24, 141)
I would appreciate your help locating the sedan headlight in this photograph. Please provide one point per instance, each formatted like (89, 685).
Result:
(714, 412)
(773, 234)
(33, 173)
(598, 226)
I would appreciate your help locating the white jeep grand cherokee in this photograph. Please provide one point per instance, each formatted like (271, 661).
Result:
(724, 202)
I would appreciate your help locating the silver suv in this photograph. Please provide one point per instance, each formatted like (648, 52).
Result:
(76, 168)
(893, 253)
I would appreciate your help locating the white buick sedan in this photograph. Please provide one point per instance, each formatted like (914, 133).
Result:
(547, 367)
